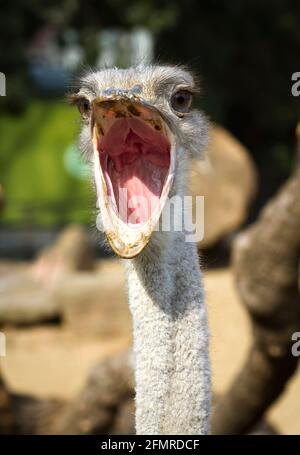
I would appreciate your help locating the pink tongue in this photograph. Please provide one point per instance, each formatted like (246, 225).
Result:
(137, 189)
(137, 168)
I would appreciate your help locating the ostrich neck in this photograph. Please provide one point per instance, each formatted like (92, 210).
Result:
(170, 340)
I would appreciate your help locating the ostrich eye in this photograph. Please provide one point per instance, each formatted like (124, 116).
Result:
(84, 107)
(181, 101)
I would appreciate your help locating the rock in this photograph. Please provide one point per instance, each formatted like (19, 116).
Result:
(91, 303)
(24, 301)
(27, 294)
(228, 181)
(72, 251)
(95, 303)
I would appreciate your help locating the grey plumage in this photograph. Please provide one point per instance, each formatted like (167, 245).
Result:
(165, 290)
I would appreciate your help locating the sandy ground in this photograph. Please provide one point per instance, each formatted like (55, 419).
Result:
(51, 361)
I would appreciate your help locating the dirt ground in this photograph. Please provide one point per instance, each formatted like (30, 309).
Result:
(54, 361)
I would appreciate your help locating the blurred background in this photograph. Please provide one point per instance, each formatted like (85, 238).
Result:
(62, 300)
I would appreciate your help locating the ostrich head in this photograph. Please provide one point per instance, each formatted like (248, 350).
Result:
(138, 132)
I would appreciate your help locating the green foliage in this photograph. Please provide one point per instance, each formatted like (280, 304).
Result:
(38, 188)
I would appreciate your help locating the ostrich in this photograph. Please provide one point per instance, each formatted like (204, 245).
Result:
(138, 133)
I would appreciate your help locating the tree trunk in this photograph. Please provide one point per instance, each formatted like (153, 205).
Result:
(104, 406)
(266, 267)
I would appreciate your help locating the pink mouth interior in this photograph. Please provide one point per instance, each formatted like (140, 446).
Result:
(135, 159)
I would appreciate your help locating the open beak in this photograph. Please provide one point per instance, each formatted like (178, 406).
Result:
(134, 158)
